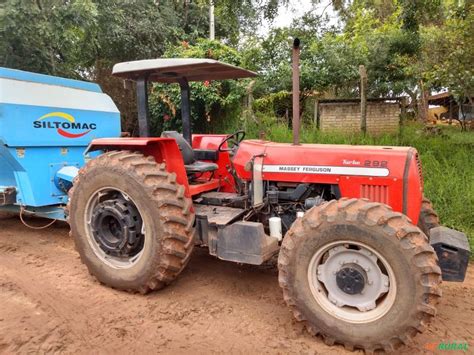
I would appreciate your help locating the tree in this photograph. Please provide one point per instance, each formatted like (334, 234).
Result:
(448, 53)
(235, 18)
(83, 38)
(408, 47)
(47, 36)
(213, 103)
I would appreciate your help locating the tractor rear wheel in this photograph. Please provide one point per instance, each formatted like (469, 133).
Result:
(359, 274)
(131, 222)
(428, 217)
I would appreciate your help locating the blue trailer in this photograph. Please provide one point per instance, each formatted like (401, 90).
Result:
(46, 124)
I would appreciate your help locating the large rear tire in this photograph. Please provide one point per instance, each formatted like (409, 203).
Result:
(428, 217)
(131, 222)
(360, 275)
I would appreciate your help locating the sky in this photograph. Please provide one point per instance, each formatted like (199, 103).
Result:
(295, 9)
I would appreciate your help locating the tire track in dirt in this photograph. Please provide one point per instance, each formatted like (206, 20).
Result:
(47, 297)
(49, 303)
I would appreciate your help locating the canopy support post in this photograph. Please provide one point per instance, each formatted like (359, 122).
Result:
(186, 109)
(142, 107)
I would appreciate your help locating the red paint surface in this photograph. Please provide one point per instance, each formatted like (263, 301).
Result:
(166, 150)
(72, 135)
(335, 155)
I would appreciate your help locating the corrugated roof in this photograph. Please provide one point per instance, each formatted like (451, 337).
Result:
(445, 99)
(172, 69)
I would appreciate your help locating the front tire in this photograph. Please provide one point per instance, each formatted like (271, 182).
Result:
(393, 272)
(131, 222)
(428, 217)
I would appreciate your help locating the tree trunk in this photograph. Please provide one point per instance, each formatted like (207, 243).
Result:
(316, 114)
(403, 110)
(423, 103)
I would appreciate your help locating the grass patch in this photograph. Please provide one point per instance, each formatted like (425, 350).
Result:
(448, 164)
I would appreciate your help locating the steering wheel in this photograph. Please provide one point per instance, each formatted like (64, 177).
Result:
(235, 139)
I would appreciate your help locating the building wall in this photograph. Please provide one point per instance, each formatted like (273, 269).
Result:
(382, 117)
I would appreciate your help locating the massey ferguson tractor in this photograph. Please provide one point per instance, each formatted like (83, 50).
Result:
(360, 251)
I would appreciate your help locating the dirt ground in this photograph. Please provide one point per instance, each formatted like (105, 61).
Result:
(49, 303)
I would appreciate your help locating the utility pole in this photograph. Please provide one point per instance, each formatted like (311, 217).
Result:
(212, 35)
(363, 98)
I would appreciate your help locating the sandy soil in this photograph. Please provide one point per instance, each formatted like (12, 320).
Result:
(49, 303)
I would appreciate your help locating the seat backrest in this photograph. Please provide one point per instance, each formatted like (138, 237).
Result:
(184, 146)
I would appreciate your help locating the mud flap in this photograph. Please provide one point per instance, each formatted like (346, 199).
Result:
(452, 248)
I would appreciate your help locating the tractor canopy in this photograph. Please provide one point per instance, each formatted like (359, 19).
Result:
(174, 70)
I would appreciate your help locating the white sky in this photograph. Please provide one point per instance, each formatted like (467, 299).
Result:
(295, 9)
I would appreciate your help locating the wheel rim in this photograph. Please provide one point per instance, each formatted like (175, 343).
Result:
(114, 228)
(352, 282)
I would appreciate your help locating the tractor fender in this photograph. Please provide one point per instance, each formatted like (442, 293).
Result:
(163, 150)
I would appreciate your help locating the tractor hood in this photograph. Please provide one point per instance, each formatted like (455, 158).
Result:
(326, 159)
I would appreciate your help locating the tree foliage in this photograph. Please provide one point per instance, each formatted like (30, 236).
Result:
(448, 53)
(408, 47)
(211, 101)
(82, 39)
(49, 37)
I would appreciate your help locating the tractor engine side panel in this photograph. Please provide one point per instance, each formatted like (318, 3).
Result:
(390, 175)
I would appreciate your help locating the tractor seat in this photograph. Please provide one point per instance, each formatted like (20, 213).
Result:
(191, 165)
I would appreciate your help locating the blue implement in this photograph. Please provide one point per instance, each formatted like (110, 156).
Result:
(46, 124)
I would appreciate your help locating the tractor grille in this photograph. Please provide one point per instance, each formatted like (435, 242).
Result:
(375, 193)
(420, 170)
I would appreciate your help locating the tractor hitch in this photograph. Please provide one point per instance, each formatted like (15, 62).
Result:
(452, 248)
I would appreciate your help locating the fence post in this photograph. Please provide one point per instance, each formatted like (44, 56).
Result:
(316, 113)
(363, 98)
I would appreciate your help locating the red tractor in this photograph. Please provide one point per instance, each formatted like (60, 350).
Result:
(349, 224)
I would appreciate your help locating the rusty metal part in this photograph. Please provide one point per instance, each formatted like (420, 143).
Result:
(296, 92)
(218, 215)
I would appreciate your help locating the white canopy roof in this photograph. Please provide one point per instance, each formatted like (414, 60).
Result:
(170, 70)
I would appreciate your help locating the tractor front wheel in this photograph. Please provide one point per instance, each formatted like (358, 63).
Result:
(131, 222)
(359, 274)
(428, 217)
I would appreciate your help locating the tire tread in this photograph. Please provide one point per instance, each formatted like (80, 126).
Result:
(425, 262)
(176, 212)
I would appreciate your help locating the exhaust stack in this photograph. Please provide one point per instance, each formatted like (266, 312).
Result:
(296, 91)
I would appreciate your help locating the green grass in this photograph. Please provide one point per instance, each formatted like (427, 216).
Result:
(448, 164)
